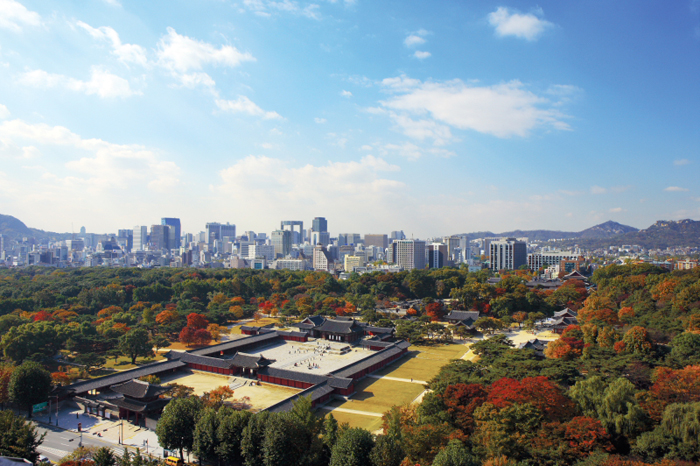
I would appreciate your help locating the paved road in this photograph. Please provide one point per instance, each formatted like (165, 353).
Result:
(58, 442)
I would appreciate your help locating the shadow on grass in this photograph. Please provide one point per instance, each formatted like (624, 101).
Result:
(362, 396)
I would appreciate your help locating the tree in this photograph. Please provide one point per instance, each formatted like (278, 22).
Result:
(18, 437)
(455, 454)
(206, 440)
(253, 436)
(159, 341)
(538, 391)
(488, 324)
(187, 335)
(180, 391)
(387, 451)
(460, 401)
(176, 427)
(202, 337)
(353, 448)
(685, 348)
(636, 340)
(230, 433)
(135, 343)
(30, 384)
(197, 321)
(215, 398)
(104, 457)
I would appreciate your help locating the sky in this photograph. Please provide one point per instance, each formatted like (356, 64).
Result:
(435, 118)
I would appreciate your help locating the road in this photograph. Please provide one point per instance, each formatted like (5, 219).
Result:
(58, 442)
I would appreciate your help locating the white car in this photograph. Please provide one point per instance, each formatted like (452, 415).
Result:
(43, 460)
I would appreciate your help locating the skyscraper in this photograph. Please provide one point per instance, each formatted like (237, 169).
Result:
(380, 241)
(437, 255)
(140, 237)
(160, 237)
(297, 237)
(282, 241)
(508, 254)
(408, 253)
(175, 231)
(217, 231)
(320, 224)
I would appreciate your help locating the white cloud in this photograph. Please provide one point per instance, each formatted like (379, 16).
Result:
(320, 121)
(422, 129)
(366, 147)
(412, 151)
(347, 187)
(265, 8)
(412, 40)
(421, 54)
(681, 162)
(14, 15)
(126, 53)
(196, 79)
(523, 26)
(101, 83)
(676, 189)
(502, 110)
(4, 112)
(598, 190)
(182, 54)
(90, 164)
(345, 93)
(615, 210)
(244, 105)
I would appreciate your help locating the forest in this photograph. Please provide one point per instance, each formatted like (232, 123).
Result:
(620, 388)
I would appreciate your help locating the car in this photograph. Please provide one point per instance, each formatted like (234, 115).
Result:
(43, 460)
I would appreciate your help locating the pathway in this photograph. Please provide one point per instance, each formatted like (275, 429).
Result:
(351, 411)
(396, 379)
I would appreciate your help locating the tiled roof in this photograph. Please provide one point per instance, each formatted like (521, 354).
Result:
(375, 343)
(463, 315)
(565, 312)
(250, 361)
(373, 329)
(136, 388)
(199, 359)
(236, 344)
(293, 375)
(292, 333)
(339, 326)
(113, 379)
(362, 364)
(315, 392)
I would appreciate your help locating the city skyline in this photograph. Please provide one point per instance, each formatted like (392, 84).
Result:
(436, 119)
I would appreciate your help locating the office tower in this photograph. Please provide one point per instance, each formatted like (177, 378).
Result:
(2, 243)
(282, 241)
(437, 255)
(297, 236)
(244, 248)
(261, 250)
(345, 239)
(140, 238)
(175, 231)
(321, 259)
(452, 243)
(320, 237)
(350, 262)
(127, 238)
(408, 253)
(397, 235)
(319, 224)
(379, 241)
(546, 259)
(160, 237)
(507, 254)
(217, 231)
(251, 235)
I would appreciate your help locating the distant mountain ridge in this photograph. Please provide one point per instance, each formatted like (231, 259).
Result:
(12, 227)
(604, 230)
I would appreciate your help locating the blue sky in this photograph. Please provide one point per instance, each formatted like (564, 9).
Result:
(432, 117)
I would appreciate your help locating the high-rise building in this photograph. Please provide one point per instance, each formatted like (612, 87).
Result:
(546, 259)
(452, 243)
(217, 231)
(160, 237)
(397, 235)
(282, 241)
(321, 259)
(507, 254)
(350, 262)
(380, 241)
(127, 238)
(261, 250)
(408, 253)
(297, 236)
(320, 237)
(345, 239)
(319, 224)
(2, 243)
(140, 238)
(175, 232)
(437, 255)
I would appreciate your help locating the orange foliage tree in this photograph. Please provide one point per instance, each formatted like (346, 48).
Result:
(197, 321)
(672, 386)
(538, 391)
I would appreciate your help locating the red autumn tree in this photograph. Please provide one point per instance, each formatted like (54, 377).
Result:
(166, 317)
(538, 391)
(672, 386)
(42, 316)
(435, 311)
(461, 400)
(559, 349)
(187, 335)
(626, 314)
(197, 321)
(202, 337)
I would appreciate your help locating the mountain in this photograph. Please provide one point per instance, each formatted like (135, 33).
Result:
(14, 228)
(604, 230)
(664, 233)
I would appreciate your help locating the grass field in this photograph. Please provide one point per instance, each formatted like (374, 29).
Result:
(370, 423)
(423, 362)
(379, 395)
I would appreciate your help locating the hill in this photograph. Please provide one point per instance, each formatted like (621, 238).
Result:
(12, 227)
(604, 230)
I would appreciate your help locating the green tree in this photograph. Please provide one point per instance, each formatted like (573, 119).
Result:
(352, 448)
(206, 440)
(387, 451)
(455, 454)
(230, 434)
(253, 436)
(30, 384)
(135, 343)
(677, 437)
(685, 348)
(176, 427)
(104, 457)
(18, 437)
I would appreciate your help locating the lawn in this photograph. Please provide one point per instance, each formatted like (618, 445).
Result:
(369, 423)
(379, 395)
(423, 362)
(123, 362)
